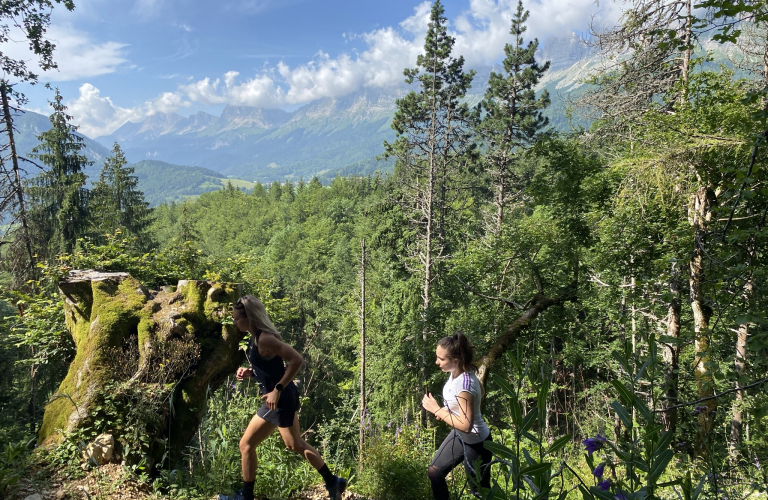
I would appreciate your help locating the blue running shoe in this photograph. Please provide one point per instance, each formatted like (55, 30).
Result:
(337, 488)
(234, 496)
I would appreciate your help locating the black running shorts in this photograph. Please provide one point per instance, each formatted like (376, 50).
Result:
(287, 406)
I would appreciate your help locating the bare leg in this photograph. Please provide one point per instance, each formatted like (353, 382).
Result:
(292, 439)
(257, 431)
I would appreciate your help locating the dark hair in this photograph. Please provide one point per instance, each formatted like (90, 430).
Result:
(458, 347)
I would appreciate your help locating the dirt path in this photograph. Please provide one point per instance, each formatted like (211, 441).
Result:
(110, 482)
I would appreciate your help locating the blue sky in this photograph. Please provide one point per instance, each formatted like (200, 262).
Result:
(124, 60)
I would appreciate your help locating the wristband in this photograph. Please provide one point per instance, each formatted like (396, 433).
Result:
(279, 387)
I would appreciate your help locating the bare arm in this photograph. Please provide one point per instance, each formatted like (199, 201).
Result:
(461, 421)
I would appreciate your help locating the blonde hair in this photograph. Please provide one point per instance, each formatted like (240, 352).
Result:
(256, 313)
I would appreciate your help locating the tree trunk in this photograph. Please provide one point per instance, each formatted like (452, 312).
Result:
(18, 186)
(671, 352)
(182, 349)
(537, 305)
(740, 366)
(701, 215)
(362, 347)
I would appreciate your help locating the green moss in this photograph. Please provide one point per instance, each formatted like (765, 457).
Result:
(194, 297)
(114, 313)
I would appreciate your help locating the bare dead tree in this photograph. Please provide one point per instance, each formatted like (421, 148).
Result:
(642, 62)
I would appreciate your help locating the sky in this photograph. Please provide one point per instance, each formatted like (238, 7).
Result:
(125, 60)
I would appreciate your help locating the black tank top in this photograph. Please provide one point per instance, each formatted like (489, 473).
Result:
(268, 371)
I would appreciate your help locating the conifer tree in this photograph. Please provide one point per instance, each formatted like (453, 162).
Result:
(58, 198)
(512, 114)
(116, 200)
(432, 150)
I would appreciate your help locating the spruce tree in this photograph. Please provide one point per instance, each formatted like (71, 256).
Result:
(512, 114)
(117, 202)
(432, 150)
(58, 198)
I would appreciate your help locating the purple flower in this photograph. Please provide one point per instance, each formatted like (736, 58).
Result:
(604, 485)
(698, 410)
(594, 444)
(598, 472)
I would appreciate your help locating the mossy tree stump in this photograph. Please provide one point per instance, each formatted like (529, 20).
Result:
(145, 362)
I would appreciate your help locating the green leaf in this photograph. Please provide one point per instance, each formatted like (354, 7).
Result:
(517, 416)
(538, 469)
(528, 421)
(663, 443)
(644, 410)
(699, 487)
(500, 450)
(622, 413)
(586, 494)
(528, 458)
(642, 370)
(603, 495)
(624, 393)
(508, 390)
(622, 361)
(659, 466)
(559, 444)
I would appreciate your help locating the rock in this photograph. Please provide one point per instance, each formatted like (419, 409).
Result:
(36, 496)
(100, 451)
(60, 494)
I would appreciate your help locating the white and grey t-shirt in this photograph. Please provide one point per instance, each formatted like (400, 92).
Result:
(466, 382)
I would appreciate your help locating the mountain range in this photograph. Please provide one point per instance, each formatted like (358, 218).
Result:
(322, 138)
(328, 137)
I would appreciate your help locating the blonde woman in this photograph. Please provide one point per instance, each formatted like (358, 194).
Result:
(273, 364)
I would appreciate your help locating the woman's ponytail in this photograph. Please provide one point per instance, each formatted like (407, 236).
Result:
(458, 347)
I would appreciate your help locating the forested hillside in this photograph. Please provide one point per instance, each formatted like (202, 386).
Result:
(612, 282)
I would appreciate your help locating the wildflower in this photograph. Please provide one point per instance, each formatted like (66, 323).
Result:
(598, 472)
(594, 444)
(698, 410)
(604, 485)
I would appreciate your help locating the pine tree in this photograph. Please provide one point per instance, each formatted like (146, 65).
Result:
(58, 198)
(432, 149)
(512, 116)
(117, 201)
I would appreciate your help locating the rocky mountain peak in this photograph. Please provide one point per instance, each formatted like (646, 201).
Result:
(563, 52)
(249, 116)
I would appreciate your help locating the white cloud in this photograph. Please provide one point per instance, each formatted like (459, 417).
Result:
(97, 115)
(76, 54)
(481, 33)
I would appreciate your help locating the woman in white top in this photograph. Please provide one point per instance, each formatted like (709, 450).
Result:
(462, 395)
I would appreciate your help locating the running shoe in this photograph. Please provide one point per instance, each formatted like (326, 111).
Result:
(234, 496)
(337, 488)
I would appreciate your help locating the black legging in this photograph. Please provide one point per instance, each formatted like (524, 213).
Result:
(451, 453)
